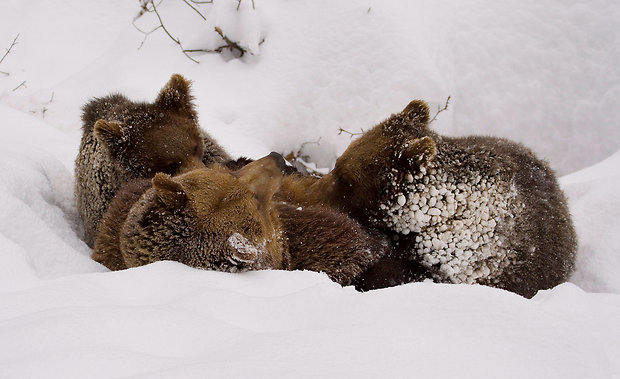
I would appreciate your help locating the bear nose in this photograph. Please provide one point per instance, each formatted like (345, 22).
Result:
(279, 160)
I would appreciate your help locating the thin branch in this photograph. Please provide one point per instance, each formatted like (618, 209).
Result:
(216, 50)
(10, 47)
(146, 34)
(439, 110)
(194, 8)
(317, 142)
(144, 8)
(168, 33)
(340, 131)
(5, 73)
(300, 162)
(161, 22)
(232, 45)
(46, 104)
(22, 84)
(239, 4)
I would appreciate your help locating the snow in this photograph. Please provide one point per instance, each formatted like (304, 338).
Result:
(544, 73)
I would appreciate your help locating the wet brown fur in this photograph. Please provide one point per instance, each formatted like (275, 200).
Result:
(321, 239)
(123, 140)
(190, 219)
(364, 176)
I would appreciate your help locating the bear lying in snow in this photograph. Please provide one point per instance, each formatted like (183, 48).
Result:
(224, 220)
(460, 210)
(123, 140)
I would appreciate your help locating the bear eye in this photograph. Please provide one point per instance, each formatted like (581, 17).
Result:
(173, 167)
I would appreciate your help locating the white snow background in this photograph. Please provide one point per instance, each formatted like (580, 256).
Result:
(543, 72)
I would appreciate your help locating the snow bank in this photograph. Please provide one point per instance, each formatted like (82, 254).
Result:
(544, 73)
(167, 320)
(595, 207)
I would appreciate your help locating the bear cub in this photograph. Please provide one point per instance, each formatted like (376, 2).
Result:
(219, 219)
(459, 210)
(123, 140)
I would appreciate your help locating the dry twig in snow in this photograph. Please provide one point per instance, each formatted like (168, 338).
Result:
(439, 110)
(8, 51)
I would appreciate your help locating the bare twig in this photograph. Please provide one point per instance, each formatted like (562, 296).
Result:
(340, 131)
(46, 104)
(146, 34)
(439, 110)
(149, 6)
(10, 48)
(230, 44)
(239, 4)
(176, 40)
(196, 10)
(317, 142)
(22, 84)
(218, 49)
(300, 161)
(144, 8)
(4, 73)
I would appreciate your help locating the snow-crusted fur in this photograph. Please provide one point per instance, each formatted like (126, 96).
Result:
(469, 210)
(214, 218)
(123, 140)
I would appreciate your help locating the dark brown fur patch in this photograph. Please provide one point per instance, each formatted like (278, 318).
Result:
(323, 240)
(123, 140)
(222, 220)
(107, 244)
(380, 167)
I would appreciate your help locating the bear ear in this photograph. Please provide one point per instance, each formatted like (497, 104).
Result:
(175, 96)
(417, 112)
(420, 150)
(110, 132)
(168, 191)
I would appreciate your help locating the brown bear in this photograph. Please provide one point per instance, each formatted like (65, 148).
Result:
(224, 220)
(467, 210)
(123, 140)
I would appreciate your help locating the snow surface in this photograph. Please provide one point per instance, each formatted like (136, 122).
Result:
(545, 73)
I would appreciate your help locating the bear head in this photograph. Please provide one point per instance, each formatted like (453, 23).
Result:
(380, 159)
(210, 218)
(163, 136)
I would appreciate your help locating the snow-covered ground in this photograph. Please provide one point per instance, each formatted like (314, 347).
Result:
(546, 73)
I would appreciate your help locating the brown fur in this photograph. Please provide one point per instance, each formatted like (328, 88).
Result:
(107, 243)
(370, 174)
(123, 140)
(191, 218)
(321, 239)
